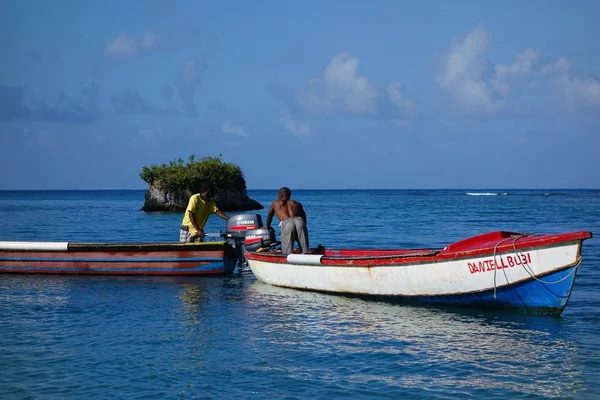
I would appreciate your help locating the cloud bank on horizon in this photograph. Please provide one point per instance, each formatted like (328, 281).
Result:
(391, 95)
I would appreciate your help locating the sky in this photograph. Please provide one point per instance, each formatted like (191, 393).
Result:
(325, 94)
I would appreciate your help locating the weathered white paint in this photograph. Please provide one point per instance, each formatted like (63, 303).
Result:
(47, 246)
(446, 277)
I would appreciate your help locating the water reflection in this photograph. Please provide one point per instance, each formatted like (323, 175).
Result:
(277, 342)
(34, 291)
(193, 295)
(431, 347)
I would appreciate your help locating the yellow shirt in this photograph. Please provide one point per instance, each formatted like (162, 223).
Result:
(201, 209)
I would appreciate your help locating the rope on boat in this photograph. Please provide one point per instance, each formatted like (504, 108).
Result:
(495, 251)
(527, 267)
(579, 260)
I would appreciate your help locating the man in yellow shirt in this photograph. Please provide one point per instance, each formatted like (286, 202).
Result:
(200, 206)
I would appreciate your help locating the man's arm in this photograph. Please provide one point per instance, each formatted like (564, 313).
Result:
(193, 220)
(302, 213)
(190, 213)
(270, 216)
(220, 214)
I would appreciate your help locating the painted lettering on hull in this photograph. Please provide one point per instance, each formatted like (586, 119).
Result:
(500, 262)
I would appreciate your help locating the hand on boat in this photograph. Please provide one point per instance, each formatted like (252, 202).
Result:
(194, 233)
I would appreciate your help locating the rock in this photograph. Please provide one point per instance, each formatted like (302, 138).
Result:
(173, 198)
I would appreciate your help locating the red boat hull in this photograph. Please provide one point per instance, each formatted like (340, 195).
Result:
(211, 258)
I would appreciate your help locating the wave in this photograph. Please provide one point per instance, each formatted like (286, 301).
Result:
(523, 192)
(487, 194)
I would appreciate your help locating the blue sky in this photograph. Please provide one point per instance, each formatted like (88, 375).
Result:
(310, 95)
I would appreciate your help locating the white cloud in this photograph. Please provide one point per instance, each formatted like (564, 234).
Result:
(121, 46)
(523, 64)
(466, 74)
(127, 46)
(579, 91)
(576, 89)
(466, 59)
(522, 67)
(394, 92)
(340, 89)
(464, 70)
(560, 65)
(294, 126)
(229, 127)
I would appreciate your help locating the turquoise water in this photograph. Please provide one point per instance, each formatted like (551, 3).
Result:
(233, 337)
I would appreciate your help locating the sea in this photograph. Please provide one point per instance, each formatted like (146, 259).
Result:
(233, 337)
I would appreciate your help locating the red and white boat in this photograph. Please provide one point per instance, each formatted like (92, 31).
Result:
(531, 272)
(243, 231)
(117, 259)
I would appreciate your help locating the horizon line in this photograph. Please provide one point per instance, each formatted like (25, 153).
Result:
(312, 189)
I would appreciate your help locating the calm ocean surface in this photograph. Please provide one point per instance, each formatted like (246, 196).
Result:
(86, 337)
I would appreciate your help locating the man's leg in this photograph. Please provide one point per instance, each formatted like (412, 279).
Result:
(302, 233)
(287, 238)
(185, 237)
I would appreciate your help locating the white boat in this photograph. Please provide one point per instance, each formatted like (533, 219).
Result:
(531, 272)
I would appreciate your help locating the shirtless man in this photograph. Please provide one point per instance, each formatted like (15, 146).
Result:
(292, 221)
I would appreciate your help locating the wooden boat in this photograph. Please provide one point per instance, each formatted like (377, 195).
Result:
(531, 272)
(242, 231)
(218, 257)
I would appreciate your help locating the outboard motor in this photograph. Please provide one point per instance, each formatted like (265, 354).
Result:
(257, 238)
(246, 232)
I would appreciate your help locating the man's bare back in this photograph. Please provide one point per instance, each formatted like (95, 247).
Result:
(284, 208)
(292, 221)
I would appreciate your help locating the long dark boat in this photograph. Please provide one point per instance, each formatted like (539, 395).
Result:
(243, 231)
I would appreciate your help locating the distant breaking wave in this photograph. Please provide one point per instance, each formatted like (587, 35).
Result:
(486, 194)
(593, 192)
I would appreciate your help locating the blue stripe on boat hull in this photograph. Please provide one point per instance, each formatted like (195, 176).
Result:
(531, 296)
(214, 267)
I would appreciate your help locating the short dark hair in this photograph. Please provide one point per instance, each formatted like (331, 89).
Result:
(285, 192)
(206, 187)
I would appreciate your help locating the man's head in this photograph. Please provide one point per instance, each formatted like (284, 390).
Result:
(206, 190)
(284, 193)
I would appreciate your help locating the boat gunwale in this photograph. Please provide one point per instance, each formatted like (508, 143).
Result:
(435, 256)
(122, 247)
